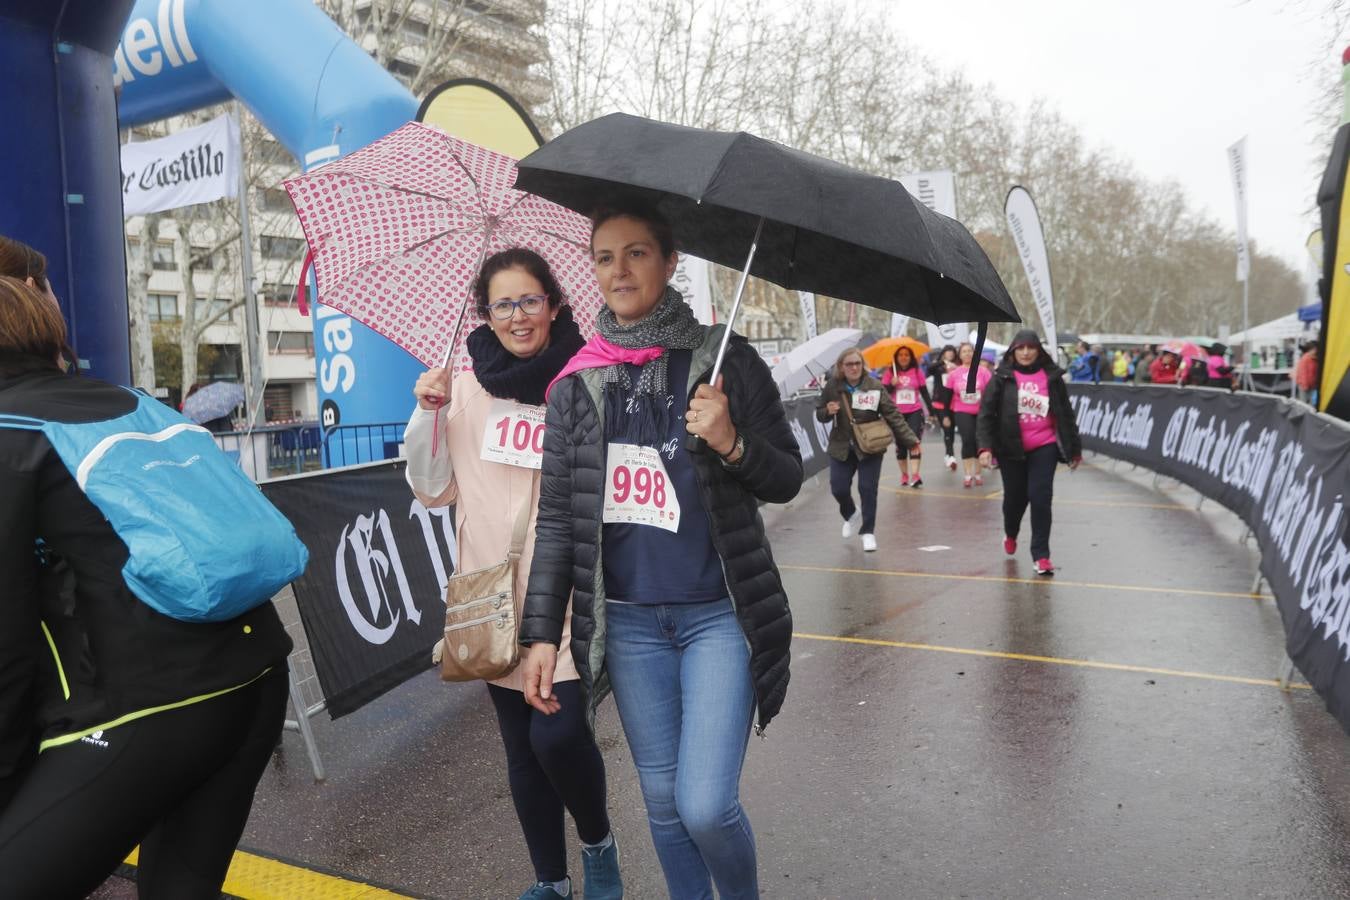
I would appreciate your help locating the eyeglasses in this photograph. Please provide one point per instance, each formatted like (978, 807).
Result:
(530, 304)
(854, 363)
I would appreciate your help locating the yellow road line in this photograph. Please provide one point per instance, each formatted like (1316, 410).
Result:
(1001, 579)
(1053, 660)
(255, 877)
(998, 495)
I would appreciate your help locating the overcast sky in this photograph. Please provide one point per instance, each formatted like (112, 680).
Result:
(1166, 85)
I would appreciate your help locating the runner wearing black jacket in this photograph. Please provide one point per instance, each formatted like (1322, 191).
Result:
(942, 402)
(118, 726)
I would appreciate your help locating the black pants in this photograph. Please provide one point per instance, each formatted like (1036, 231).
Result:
(179, 783)
(915, 422)
(948, 431)
(552, 764)
(965, 423)
(841, 485)
(1030, 480)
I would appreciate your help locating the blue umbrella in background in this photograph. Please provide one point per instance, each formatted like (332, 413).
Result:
(213, 401)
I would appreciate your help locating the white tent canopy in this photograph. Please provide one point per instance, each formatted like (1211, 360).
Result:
(1274, 332)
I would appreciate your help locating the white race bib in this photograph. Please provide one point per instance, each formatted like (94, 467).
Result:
(637, 489)
(970, 398)
(867, 400)
(1031, 402)
(514, 435)
(906, 397)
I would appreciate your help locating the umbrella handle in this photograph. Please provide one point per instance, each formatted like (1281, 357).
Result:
(692, 442)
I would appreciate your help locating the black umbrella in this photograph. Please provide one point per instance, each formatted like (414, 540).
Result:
(807, 223)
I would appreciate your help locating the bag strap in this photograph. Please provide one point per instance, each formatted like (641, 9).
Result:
(523, 521)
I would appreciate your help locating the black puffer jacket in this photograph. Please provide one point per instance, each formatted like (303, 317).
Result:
(998, 429)
(567, 552)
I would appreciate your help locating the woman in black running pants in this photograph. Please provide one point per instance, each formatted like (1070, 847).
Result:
(119, 726)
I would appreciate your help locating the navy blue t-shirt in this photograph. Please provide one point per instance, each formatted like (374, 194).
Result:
(649, 565)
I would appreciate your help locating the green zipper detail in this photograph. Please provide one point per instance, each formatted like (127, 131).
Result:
(142, 713)
(60, 669)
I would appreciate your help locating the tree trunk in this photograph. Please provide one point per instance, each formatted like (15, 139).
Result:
(187, 333)
(138, 285)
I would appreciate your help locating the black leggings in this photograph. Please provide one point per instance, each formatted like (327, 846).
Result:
(552, 764)
(1030, 480)
(179, 783)
(965, 423)
(948, 431)
(841, 486)
(915, 422)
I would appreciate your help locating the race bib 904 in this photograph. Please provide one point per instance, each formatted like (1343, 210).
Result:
(867, 400)
(638, 490)
(514, 435)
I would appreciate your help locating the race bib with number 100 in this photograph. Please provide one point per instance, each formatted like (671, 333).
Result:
(638, 490)
(514, 435)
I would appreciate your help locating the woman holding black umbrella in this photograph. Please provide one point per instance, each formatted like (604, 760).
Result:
(677, 604)
(1026, 420)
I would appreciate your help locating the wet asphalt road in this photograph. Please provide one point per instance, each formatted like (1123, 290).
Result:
(976, 747)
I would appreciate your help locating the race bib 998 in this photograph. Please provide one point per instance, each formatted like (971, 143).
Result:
(638, 490)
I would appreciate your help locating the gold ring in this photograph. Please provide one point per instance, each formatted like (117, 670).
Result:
(693, 417)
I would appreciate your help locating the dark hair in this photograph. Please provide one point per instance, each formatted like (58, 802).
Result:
(516, 258)
(31, 327)
(645, 213)
(942, 354)
(18, 260)
(913, 358)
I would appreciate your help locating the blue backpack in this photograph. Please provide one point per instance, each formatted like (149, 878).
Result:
(205, 544)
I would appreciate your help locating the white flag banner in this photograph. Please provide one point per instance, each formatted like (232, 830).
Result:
(1025, 223)
(1237, 163)
(935, 190)
(940, 336)
(693, 279)
(193, 166)
(808, 301)
(898, 324)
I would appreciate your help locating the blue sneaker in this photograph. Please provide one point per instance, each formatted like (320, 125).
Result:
(603, 881)
(542, 890)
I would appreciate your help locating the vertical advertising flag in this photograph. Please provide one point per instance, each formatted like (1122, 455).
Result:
(898, 324)
(937, 191)
(1237, 164)
(808, 301)
(693, 279)
(1025, 223)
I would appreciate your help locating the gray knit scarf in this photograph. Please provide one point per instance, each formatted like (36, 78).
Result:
(671, 326)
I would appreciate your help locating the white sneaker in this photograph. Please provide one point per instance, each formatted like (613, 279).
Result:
(847, 531)
(949, 462)
(869, 543)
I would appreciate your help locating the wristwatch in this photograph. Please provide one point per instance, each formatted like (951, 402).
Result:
(737, 453)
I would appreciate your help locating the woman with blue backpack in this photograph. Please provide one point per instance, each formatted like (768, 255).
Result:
(122, 724)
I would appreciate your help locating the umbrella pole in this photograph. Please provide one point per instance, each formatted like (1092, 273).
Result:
(736, 302)
(692, 442)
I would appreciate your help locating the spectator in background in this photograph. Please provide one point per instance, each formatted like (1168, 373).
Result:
(1306, 374)
(1087, 366)
(1142, 364)
(1120, 366)
(1164, 369)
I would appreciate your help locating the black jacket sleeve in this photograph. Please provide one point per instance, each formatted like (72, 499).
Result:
(987, 422)
(771, 469)
(551, 566)
(21, 633)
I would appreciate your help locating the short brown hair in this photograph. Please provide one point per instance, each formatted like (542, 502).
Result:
(30, 323)
(18, 260)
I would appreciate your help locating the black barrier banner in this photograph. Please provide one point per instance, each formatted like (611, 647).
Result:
(372, 599)
(1282, 468)
(812, 436)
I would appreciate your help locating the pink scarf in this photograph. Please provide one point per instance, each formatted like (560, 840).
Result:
(599, 353)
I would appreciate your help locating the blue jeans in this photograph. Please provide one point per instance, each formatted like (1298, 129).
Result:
(681, 679)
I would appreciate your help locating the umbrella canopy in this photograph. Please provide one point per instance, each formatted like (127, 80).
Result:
(1066, 338)
(826, 228)
(810, 362)
(400, 228)
(213, 401)
(882, 353)
(1184, 349)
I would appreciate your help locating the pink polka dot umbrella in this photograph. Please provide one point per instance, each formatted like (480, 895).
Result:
(399, 229)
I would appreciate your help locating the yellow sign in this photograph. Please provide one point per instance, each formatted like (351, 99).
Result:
(483, 114)
(1336, 314)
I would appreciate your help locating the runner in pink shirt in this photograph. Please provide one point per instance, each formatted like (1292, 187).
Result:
(965, 406)
(909, 391)
(1027, 420)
